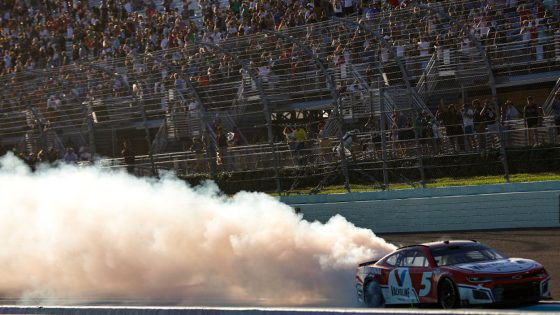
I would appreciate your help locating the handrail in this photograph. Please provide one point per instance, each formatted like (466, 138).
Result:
(550, 99)
(428, 80)
(160, 139)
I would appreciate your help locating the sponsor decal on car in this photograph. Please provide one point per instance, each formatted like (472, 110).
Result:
(500, 266)
(400, 289)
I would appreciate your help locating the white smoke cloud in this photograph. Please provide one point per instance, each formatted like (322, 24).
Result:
(81, 235)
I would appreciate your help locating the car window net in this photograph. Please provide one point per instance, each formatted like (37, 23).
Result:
(455, 255)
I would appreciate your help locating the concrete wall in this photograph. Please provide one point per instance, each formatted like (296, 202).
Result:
(133, 310)
(504, 206)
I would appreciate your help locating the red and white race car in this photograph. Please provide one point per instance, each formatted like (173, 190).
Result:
(451, 274)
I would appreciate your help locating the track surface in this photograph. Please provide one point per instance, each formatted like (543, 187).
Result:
(540, 245)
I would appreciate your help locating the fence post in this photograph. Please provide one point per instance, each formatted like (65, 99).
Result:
(418, 127)
(557, 45)
(383, 122)
(342, 151)
(91, 130)
(140, 104)
(503, 153)
(40, 122)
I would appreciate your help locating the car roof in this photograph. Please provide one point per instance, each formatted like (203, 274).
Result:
(440, 244)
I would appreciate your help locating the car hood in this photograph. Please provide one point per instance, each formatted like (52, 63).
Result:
(509, 265)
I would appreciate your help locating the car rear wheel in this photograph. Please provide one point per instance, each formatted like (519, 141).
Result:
(373, 297)
(448, 296)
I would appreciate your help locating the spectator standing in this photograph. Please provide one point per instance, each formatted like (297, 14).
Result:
(198, 149)
(337, 7)
(52, 155)
(468, 125)
(556, 112)
(84, 153)
(288, 133)
(489, 119)
(70, 157)
(398, 122)
(531, 116)
(345, 147)
(479, 125)
(509, 112)
(223, 158)
(129, 156)
(453, 122)
(300, 135)
(348, 7)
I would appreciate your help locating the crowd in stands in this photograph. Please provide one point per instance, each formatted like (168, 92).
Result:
(39, 34)
(52, 156)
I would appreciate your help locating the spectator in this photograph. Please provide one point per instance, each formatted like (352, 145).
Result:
(198, 147)
(129, 157)
(288, 133)
(70, 157)
(222, 156)
(479, 125)
(468, 125)
(398, 123)
(300, 136)
(556, 112)
(52, 155)
(85, 153)
(453, 122)
(531, 116)
(345, 147)
(490, 119)
(509, 112)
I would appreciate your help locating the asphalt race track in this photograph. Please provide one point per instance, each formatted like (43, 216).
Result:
(542, 245)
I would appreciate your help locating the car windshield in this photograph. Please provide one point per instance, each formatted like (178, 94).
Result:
(461, 254)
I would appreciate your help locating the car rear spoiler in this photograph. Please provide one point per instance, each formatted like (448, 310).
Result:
(365, 263)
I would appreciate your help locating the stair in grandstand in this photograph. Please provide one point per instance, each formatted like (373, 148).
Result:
(177, 126)
(333, 127)
(547, 106)
(106, 143)
(159, 144)
(447, 76)
(359, 105)
(428, 80)
(31, 141)
(447, 89)
(13, 125)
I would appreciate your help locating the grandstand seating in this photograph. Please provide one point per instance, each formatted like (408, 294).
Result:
(329, 77)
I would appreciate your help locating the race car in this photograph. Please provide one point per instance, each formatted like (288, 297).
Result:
(450, 274)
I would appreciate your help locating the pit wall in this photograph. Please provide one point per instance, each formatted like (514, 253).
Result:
(462, 208)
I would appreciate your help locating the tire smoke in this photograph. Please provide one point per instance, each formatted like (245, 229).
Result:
(82, 235)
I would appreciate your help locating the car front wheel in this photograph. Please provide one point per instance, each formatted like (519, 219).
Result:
(448, 296)
(373, 297)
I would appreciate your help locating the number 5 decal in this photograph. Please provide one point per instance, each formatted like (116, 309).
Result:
(426, 283)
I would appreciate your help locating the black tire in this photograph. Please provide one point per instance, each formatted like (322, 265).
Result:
(373, 297)
(448, 294)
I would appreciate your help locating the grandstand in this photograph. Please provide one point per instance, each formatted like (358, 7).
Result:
(273, 95)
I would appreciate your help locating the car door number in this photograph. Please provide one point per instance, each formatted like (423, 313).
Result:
(426, 283)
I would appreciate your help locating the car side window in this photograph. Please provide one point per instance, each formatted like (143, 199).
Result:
(392, 260)
(414, 258)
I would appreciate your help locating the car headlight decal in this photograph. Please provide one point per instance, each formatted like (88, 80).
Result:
(479, 279)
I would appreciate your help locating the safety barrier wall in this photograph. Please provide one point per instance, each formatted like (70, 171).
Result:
(92, 310)
(503, 206)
